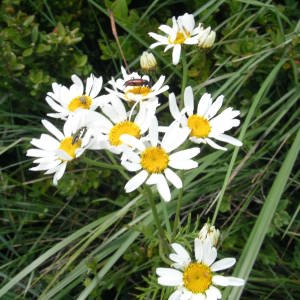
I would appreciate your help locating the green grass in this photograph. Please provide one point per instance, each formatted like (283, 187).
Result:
(86, 238)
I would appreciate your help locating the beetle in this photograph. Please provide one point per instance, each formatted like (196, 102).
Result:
(137, 82)
(79, 134)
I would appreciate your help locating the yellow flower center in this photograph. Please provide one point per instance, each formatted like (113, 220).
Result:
(69, 146)
(83, 101)
(200, 126)
(125, 127)
(138, 90)
(154, 160)
(197, 278)
(180, 37)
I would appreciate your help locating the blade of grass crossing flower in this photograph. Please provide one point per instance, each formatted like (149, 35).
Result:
(260, 229)
(263, 90)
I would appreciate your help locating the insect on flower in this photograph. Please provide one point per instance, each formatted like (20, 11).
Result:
(79, 134)
(137, 82)
(83, 99)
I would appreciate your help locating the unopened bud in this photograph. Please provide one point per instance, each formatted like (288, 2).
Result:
(148, 61)
(206, 37)
(209, 232)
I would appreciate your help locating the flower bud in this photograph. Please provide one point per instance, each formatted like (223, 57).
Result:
(209, 232)
(206, 37)
(148, 61)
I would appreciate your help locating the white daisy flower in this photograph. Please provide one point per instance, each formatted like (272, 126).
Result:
(209, 232)
(154, 160)
(206, 37)
(136, 88)
(118, 122)
(204, 124)
(196, 280)
(182, 32)
(66, 101)
(56, 150)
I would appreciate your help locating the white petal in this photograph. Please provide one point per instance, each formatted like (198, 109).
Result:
(132, 141)
(54, 105)
(174, 110)
(97, 85)
(228, 139)
(215, 107)
(153, 132)
(198, 297)
(187, 295)
(45, 142)
(223, 264)
(169, 277)
(158, 84)
(161, 39)
(209, 253)
(78, 82)
(226, 281)
(60, 172)
(132, 167)
(214, 291)
(163, 188)
(38, 153)
(176, 54)
(214, 145)
(174, 137)
(136, 181)
(198, 248)
(183, 164)
(173, 178)
(181, 256)
(185, 154)
(46, 166)
(189, 100)
(166, 29)
(175, 296)
(52, 129)
(204, 104)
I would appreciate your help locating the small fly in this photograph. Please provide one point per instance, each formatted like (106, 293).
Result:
(137, 82)
(79, 134)
(82, 99)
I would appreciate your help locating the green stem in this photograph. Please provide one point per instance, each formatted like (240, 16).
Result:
(177, 216)
(184, 77)
(113, 160)
(163, 246)
(102, 164)
(166, 217)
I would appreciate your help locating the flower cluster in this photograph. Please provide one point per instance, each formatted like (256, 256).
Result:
(123, 119)
(197, 280)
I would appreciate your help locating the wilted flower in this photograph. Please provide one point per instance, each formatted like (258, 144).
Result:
(148, 61)
(206, 37)
(210, 233)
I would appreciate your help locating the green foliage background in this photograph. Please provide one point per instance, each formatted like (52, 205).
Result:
(56, 241)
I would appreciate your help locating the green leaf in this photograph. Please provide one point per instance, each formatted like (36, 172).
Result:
(261, 227)
(120, 9)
